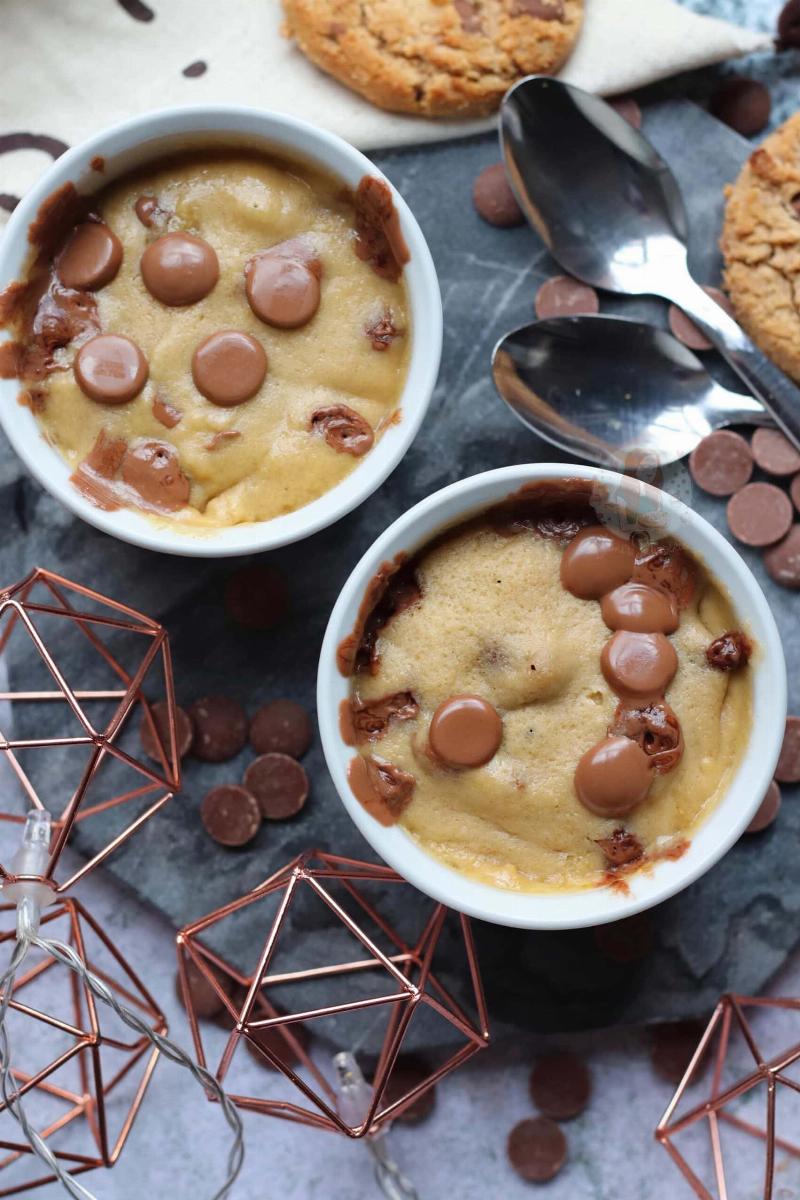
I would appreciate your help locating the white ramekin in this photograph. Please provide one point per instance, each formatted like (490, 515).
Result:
(596, 905)
(131, 144)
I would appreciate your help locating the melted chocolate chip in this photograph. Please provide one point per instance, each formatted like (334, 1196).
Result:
(638, 665)
(666, 565)
(640, 609)
(393, 589)
(91, 257)
(166, 414)
(150, 212)
(613, 777)
(370, 719)
(596, 561)
(465, 731)
(229, 367)
(384, 789)
(110, 369)
(283, 284)
(729, 651)
(379, 238)
(61, 315)
(343, 429)
(179, 269)
(382, 331)
(153, 470)
(621, 848)
(655, 728)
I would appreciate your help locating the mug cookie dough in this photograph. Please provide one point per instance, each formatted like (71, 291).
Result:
(761, 246)
(215, 339)
(544, 698)
(435, 58)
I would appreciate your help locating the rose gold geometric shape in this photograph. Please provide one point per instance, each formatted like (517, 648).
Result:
(767, 1070)
(93, 723)
(405, 986)
(86, 1088)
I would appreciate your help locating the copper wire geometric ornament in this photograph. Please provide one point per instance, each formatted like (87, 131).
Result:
(91, 1087)
(288, 993)
(754, 1090)
(71, 746)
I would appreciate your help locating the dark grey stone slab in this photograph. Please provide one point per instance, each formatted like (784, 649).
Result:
(729, 931)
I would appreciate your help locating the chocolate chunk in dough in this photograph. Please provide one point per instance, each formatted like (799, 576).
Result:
(667, 565)
(281, 727)
(153, 470)
(729, 651)
(150, 212)
(743, 104)
(382, 330)
(563, 296)
(110, 369)
(768, 810)
(220, 728)
(154, 741)
(408, 1072)
(279, 784)
(621, 848)
(788, 768)
(384, 789)
(343, 429)
(257, 597)
(783, 561)
(371, 718)
(760, 514)
(560, 1086)
(721, 463)
(774, 453)
(91, 257)
(229, 367)
(179, 269)
(494, 200)
(204, 1000)
(379, 238)
(166, 414)
(537, 1149)
(655, 728)
(230, 815)
(283, 284)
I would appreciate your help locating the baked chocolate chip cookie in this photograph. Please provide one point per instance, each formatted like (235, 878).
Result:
(434, 58)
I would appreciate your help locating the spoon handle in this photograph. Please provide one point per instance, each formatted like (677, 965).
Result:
(767, 382)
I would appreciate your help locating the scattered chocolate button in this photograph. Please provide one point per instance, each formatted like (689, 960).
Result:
(149, 211)
(729, 651)
(788, 768)
(560, 1086)
(596, 561)
(563, 296)
(640, 609)
(760, 514)
(743, 104)
(281, 727)
(283, 284)
(783, 561)
(220, 728)
(230, 815)
(153, 470)
(279, 784)
(685, 330)
(789, 26)
(613, 777)
(625, 942)
(257, 597)
(277, 1041)
(494, 200)
(672, 1047)
(768, 810)
(408, 1072)
(153, 741)
(110, 368)
(627, 107)
(774, 453)
(537, 1149)
(465, 731)
(794, 491)
(638, 665)
(621, 848)
(179, 269)
(343, 429)
(205, 1001)
(91, 257)
(229, 367)
(721, 463)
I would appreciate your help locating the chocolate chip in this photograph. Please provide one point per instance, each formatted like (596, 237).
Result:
(382, 330)
(783, 561)
(672, 1047)
(789, 26)
(153, 470)
(283, 284)
(560, 1086)
(279, 784)
(625, 941)
(563, 296)
(537, 1149)
(729, 651)
(184, 732)
(231, 815)
(282, 727)
(343, 429)
(179, 269)
(149, 211)
(685, 330)
(621, 847)
(494, 200)
(721, 463)
(91, 257)
(768, 810)
(195, 69)
(220, 728)
(760, 514)
(743, 104)
(627, 108)
(788, 768)
(110, 369)
(257, 597)
(229, 367)
(408, 1072)
(275, 1040)
(204, 1000)
(166, 414)
(774, 453)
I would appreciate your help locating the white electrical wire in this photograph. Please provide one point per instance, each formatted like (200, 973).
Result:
(28, 936)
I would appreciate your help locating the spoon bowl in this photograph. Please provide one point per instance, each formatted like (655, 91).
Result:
(607, 389)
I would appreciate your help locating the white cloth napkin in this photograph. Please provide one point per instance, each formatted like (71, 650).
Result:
(71, 67)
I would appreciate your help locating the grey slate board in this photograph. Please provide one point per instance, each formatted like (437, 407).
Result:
(731, 930)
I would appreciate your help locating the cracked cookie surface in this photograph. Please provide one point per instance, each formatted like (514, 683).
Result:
(434, 57)
(761, 245)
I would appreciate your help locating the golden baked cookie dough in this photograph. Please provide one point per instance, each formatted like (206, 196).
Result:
(761, 245)
(495, 621)
(435, 58)
(261, 458)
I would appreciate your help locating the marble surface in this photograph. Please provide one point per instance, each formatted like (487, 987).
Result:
(742, 939)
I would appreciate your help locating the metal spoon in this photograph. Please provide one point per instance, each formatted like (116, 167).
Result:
(606, 388)
(609, 210)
